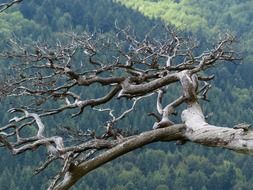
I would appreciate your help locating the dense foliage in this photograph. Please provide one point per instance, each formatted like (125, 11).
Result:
(159, 167)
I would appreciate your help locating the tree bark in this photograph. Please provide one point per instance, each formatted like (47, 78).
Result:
(199, 131)
(171, 133)
(195, 129)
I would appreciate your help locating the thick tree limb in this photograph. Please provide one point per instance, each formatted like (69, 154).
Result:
(199, 131)
(168, 134)
(195, 130)
(129, 89)
(136, 70)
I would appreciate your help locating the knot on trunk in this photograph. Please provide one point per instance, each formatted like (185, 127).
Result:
(189, 84)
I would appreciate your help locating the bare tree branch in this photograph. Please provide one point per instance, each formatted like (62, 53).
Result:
(168, 134)
(61, 78)
(4, 6)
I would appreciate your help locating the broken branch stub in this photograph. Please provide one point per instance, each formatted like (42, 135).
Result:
(62, 78)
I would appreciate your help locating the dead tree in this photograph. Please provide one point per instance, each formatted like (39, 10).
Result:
(123, 67)
(8, 4)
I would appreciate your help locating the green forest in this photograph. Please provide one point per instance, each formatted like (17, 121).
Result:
(160, 166)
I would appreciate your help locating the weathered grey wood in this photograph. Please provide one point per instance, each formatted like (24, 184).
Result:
(165, 134)
(199, 131)
(149, 67)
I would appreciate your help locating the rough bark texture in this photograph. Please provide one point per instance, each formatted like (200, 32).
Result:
(129, 144)
(199, 131)
(137, 70)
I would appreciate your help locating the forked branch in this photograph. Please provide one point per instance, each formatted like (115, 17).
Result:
(63, 79)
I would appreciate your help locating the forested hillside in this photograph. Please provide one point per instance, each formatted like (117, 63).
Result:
(160, 166)
(208, 18)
